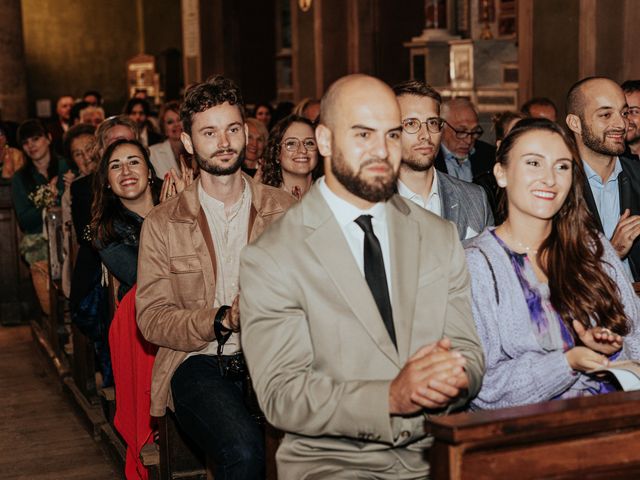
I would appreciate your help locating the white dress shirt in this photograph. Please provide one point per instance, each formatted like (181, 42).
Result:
(433, 203)
(346, 214)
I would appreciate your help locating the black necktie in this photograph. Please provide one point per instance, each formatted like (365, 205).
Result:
(375, 275)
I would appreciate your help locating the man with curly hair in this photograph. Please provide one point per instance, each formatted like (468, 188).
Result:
(187, 297)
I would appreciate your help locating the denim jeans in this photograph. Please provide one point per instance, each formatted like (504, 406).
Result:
(211, 411)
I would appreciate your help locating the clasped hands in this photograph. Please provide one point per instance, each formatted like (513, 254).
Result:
(432, 378)
(598, 343)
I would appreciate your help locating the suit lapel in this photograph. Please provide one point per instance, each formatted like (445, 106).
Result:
(450, 204)
(591, 205)
(328, 243)
(404, 246)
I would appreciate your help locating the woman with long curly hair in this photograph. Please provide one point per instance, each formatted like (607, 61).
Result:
(551, 298)
(291, 156)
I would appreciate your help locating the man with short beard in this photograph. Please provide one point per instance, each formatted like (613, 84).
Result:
(356, 313)
(631, 90)
(187, 298)
(597, 114)
(460, 202)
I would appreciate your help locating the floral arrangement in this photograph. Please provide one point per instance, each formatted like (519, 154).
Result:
(44, 196)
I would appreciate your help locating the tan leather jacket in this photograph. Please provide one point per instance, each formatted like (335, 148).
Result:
(177, 275)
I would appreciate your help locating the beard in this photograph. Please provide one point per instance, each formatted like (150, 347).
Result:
(378, 189)
(635, 138)
(419, 163)
(220, 170)
(599, 145)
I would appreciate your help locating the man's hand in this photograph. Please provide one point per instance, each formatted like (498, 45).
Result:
(231, 319)
(598, 339)
(432, 378)
(626, 232)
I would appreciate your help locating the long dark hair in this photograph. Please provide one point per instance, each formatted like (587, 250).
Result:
(29, 129)
(271, 169)
(107, 207)
(571, 256)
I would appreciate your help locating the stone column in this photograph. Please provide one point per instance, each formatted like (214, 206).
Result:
(13, 72)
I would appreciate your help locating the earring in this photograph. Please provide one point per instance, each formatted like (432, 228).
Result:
(502, 183)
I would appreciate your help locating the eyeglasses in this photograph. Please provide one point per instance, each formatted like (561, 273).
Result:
(293, 144)
(413, 125)
(462, 134)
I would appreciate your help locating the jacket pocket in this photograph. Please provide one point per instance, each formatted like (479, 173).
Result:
(187, 280)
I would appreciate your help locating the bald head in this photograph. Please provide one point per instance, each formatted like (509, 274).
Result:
(351, 90)
(359, 136)
(580, 93)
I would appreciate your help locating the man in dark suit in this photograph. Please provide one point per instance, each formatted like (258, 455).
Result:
(460, 202)
(597, 115)
(461, 154)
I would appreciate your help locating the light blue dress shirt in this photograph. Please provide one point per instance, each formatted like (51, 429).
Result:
(607, 198)
(459, 168)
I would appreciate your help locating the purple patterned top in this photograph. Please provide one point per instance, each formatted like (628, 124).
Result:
(547, 324)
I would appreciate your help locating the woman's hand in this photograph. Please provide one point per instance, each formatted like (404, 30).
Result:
(584, 359)
(598, 339)
(168, 188)
(68, 179)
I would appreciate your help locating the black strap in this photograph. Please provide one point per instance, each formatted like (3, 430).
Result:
(221, 338)
(375, 274)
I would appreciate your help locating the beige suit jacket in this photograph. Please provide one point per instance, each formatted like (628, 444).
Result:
(317, 349)
(177, 278)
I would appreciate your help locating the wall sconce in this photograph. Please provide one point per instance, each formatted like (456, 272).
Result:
(305, 5)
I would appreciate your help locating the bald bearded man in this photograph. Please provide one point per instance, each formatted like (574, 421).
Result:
(357, 317)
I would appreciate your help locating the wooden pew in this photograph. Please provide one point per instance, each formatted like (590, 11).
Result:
(587, 438)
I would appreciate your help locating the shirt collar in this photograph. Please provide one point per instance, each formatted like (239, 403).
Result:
(345, 212)
(448, 154)
(406, 192)
(592, 175)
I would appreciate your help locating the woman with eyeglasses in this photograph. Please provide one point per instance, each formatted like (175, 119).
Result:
(551, 299)
(291, 156)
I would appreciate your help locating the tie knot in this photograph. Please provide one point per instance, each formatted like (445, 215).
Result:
(364, 222)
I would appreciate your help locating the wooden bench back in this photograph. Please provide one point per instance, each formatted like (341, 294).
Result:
(590, 437)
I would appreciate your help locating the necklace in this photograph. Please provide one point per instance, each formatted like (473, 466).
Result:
(521, 246)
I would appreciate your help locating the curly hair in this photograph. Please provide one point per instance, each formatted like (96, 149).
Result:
(571, 256)
(271, 169)
(202, 96)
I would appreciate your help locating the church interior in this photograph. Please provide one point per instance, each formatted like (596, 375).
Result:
(58, 411)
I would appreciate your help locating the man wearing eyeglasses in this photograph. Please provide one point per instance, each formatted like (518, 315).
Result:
(631, 90)
(462, 154)
(460, 202)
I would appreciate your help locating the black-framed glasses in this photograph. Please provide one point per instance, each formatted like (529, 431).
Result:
(292, 144)
(462, 134)
(413, 125)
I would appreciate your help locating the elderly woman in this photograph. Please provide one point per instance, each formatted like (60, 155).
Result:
(256, 142)
(291, 156)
